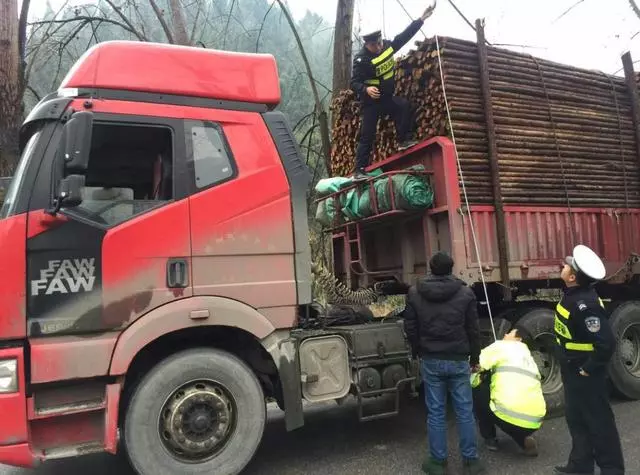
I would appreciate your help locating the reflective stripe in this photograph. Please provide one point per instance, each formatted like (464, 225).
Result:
(384, 55)
(579, 346)
(389, 75)
(515, 369)
(601, 302)
(563, 312)
(372, 82)
(517, 415)
(561, 329)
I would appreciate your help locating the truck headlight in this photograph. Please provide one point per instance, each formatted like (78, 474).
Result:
(8, 376)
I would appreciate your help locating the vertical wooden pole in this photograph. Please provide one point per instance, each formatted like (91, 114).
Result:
(632, 87)
(501, 228)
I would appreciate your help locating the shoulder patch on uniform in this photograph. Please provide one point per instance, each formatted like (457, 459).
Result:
(593, 324)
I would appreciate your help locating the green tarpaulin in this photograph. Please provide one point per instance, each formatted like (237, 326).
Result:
(409, 192)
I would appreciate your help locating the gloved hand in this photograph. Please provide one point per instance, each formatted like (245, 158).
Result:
(429, 11)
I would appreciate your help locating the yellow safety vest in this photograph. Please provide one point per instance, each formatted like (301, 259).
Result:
(384, 65)
(563, 334)
(516, 391)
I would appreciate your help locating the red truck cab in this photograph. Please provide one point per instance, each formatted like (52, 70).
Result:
(155, 233)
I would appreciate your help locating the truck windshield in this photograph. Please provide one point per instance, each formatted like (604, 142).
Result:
(16, 183)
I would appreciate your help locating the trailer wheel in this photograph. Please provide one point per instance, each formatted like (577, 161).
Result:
(200, 411)
(539, 323)
(624, 368)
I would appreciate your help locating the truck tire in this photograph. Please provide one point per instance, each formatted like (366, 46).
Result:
(539, 323)
(624, 369)
(200, 411)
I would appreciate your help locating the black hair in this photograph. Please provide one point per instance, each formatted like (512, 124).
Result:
(441, 263)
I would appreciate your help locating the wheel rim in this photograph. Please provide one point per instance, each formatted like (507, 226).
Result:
(548, 365)
(197, 420)
(629, 349)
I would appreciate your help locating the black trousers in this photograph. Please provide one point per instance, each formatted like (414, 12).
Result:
(396, 107)
(591, 422)
(488, 421)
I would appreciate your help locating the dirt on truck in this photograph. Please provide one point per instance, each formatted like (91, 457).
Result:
(156, 284)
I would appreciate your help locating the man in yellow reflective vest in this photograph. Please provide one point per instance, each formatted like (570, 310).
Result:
(372, 79)
(508, 394)
(586, 344)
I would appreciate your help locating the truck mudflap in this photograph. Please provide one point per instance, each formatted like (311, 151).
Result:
(14, 447)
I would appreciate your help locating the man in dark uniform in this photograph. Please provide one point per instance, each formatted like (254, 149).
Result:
(373, 81)
(586, 343)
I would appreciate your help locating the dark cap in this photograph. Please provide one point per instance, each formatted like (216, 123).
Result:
(372, 37)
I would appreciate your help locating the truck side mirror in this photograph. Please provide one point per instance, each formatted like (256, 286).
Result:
(69, 193)
(72, 162)
(76, 142)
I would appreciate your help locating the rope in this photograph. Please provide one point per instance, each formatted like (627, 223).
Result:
(555, 135)
(383, 21)
(464, 191)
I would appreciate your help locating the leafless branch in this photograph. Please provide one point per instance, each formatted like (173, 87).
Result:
(162, 21)
(132, 28)
(34, 92)
(263, 22)
(569, 9)
(88, 19)
(322, 115)
(195, 23)
(226, 27)
(634, 7)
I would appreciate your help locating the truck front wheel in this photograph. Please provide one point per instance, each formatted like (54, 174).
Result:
(200, 411)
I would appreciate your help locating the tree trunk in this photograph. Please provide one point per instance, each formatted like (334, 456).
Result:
(179, 25)
(10, 100)
(342, 46)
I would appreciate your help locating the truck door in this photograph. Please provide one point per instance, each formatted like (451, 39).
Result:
(126, 248)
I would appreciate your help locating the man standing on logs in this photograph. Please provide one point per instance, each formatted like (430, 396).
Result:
(373, 81)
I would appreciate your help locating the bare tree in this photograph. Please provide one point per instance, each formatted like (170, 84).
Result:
(319, 110)
(12, 46)
(342, 46)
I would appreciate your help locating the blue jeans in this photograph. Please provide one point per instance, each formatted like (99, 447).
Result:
(440, 376)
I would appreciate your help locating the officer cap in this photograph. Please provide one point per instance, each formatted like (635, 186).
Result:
(587, 262)
(372, 37)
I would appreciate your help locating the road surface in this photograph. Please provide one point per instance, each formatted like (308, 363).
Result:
(334, 442)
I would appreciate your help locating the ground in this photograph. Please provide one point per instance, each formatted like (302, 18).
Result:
(334, 442)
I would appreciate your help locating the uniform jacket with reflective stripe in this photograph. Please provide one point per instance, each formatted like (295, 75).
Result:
(516, 391)
(583, 331)
(368, 67)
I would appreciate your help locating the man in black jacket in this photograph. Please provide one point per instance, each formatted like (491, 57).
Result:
(441, 322)
(373, 81)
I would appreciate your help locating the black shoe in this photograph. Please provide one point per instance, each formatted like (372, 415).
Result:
(359, 175)
(569, 470)
(405, 144)
(491, 444)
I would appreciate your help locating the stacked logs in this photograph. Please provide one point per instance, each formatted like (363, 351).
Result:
(564, 135)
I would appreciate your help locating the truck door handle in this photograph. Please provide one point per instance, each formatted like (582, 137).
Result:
(177, 275)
